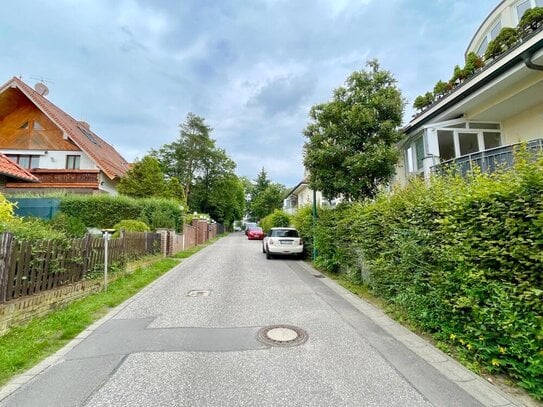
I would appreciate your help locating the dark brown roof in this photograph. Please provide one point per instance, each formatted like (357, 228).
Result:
(103, 154)
(14, 170)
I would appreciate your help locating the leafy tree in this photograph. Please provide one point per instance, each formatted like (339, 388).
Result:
(351, 140)
(262, 182)
(217, 190)
(145, 179)
(185, 158)
(267, 201)
(264, 196)
(227, 200)
(174, 190)
(204, 170)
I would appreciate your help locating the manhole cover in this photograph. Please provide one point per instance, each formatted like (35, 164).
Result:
(282, 335)
(198, 293)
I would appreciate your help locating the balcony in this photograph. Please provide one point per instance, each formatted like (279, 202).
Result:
(52, 178)
(489, 160)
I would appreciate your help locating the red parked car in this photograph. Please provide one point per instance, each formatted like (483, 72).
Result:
(255, 233)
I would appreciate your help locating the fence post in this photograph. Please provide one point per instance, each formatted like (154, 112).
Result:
(85, 253)
(6, 240)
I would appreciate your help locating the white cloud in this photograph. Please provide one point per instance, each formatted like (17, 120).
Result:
(135, 68)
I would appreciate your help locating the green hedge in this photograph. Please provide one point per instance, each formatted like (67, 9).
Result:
(277, 218)
(104, 211)
(462, 257)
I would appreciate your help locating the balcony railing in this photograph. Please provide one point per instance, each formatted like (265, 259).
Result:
(489, 160)
(66, 176)
(52, 178)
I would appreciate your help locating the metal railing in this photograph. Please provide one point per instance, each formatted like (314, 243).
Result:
(488, 160)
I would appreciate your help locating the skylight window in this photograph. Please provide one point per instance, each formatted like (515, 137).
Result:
(38, 126)
(24, 125)
(88, 134)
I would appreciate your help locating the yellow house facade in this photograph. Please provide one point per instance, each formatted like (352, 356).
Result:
(481, 119)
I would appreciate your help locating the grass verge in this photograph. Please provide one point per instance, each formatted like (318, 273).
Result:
(24, 346)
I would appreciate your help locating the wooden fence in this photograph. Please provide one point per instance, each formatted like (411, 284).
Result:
(27, 268)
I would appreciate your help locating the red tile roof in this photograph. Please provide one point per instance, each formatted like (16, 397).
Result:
(13, 170)
(103, 154)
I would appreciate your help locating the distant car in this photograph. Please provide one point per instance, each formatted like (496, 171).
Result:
(255, 233)
(237, 229)
(248, 226)
(283, 241)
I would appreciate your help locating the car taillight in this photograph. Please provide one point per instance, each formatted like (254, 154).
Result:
(301, 242)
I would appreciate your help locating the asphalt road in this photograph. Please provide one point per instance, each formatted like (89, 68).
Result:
(190, 339)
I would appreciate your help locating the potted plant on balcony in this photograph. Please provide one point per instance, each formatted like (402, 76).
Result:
(531, 20)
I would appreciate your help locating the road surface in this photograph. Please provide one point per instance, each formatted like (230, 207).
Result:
(229, 328)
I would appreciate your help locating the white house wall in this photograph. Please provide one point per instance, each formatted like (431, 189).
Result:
(107, 185)
(525, 126)
(56, 160)
(305, 197)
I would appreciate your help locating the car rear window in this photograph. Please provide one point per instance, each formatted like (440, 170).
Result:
(256, 229)
(284, 233)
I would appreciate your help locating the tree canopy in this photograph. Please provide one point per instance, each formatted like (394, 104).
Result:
(204, 170)
(350, 148)
(265, 196)
(185, 158)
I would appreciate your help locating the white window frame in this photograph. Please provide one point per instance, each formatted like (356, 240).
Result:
(488, 36)
(467, 129)
(411, 154)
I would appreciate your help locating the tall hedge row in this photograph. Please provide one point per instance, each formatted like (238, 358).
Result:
(462, 257)
(104, 211)
(277, 218)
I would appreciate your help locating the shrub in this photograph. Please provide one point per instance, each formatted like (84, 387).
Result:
(6, 209)
(104, 211)
(462, 258)
(441, 87)
(32, 229)
(531, 20)
(506, 39)
(130, 225)
(69, 225)
(277, 218)
(302, 220)
(473, 62)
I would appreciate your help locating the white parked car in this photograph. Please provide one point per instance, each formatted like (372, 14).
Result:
(283, 241)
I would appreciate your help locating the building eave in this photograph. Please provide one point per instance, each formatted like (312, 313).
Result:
(514, 57)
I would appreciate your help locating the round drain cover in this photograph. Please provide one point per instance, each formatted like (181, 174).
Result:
(282, 335)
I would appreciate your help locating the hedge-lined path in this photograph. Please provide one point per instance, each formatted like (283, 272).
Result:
(190, 339)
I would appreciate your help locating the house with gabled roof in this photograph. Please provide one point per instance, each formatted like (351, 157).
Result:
(302, 195)
(12, 172)
(483, 118)
(58, 151)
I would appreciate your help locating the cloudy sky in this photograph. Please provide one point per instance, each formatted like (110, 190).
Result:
(133, 69)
